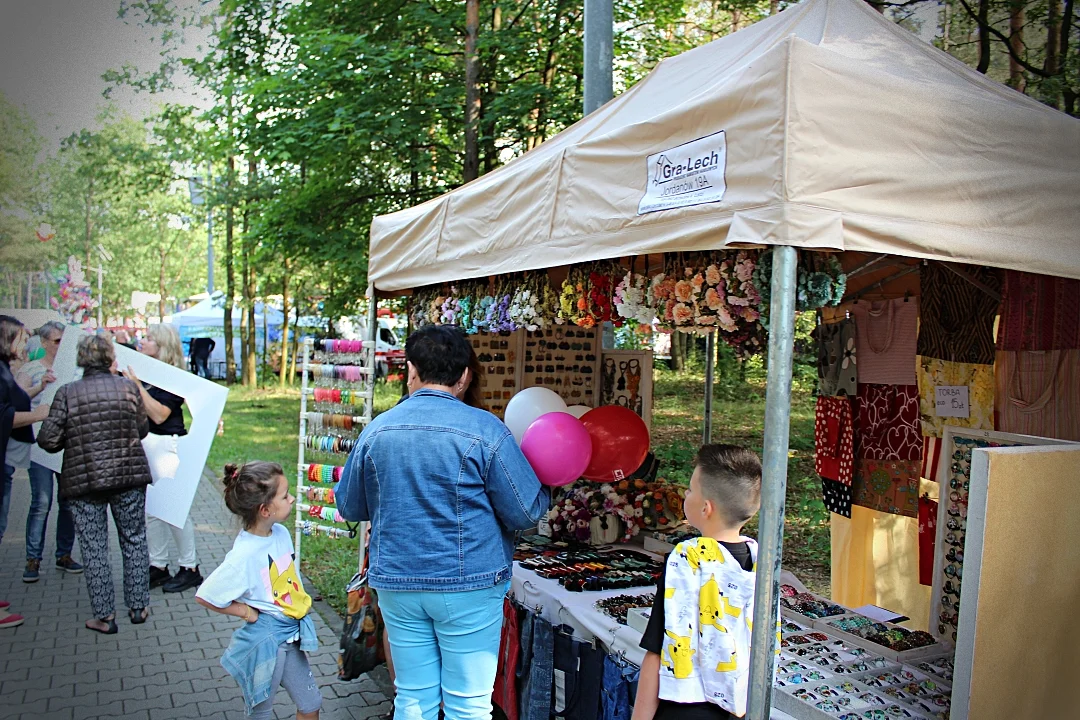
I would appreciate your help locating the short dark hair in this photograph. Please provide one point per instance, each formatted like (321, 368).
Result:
(731, 477)
(9, 332)
(95, 352)
(440, 353)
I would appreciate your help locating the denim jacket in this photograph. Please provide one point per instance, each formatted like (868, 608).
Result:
(445, 486)
(252, 654)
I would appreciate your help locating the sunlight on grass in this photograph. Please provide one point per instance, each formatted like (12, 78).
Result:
(263, 425)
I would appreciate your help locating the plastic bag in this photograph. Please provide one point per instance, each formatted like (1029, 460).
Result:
(361, 647)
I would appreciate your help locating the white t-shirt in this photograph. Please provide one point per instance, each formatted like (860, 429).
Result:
(260, 572)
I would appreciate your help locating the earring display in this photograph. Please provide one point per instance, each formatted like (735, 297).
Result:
(626, 380)
(551, 360)
(500, 355)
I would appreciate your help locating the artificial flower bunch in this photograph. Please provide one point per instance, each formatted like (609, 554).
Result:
(420, 306)
(498, 311)
(661, 297)
(586, 296)
(450, 309)
(631, 301)
(740, 293)
(75, 302)
(572, 511)
(527, 304)
(657, 504)
(820, 280)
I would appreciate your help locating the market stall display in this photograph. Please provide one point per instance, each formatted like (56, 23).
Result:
(336, 392)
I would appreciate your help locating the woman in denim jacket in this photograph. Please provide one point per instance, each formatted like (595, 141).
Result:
(445, 487)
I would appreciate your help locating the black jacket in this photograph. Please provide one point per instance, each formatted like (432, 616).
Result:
(99, 423)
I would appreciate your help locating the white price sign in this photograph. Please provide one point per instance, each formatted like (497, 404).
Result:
(951, 401)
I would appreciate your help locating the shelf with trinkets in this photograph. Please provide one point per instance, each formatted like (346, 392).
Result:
(337, 389)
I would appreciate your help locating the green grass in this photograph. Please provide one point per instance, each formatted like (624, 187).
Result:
(263, 425)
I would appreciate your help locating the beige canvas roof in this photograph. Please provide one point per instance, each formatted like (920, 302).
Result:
(825, 126)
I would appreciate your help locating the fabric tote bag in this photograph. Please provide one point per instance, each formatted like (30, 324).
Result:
(161, 453)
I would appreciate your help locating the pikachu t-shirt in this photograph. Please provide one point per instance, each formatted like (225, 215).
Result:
(261, 572)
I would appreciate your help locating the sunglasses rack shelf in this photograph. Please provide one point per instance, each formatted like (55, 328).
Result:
(336, 398)
(824, 676)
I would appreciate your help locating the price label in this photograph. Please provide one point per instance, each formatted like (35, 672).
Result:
(951, 401)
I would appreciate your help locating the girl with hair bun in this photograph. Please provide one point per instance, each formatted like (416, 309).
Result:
(259, 582)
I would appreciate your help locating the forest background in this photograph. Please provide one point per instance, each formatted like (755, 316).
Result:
(323, 114)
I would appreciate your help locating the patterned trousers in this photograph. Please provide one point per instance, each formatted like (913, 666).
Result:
(92, 522)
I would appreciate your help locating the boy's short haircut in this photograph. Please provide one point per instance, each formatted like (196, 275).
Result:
(730, 476)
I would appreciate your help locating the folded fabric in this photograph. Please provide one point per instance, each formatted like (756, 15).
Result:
(1039, 393)
(956, 322)
(886, 336)
(834, 439)
(836, 496)
(979, 380)
(1039, 312)
(890, 486)
(887, 425)
(837, 358)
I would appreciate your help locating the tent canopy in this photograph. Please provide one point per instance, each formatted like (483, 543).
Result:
(211, 312)
(826, 126)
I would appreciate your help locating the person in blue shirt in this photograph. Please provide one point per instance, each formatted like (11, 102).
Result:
(445, 486)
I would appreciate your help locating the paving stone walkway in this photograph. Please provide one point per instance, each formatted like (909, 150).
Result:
(52, 668)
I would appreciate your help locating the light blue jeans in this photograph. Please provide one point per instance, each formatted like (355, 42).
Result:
(446, 650)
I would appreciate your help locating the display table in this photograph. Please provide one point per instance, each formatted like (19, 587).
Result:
(578, 610)
(559, 606)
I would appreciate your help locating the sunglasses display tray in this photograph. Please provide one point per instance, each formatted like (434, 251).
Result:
(862, 689)
(829, 625)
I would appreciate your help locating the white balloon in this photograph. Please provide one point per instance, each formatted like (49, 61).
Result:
(529, 404)
(578, 410)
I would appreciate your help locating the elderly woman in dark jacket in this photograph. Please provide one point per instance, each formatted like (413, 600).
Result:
(99, 422)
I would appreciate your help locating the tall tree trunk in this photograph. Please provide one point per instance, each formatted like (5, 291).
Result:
(471, 167)
(266, 340)
(678, 351)
(983, 21)
(774, 7)
(491, 71)
(296, 337)
(1017, 79)
(230, 280)
(249, 372)
(284, 363)
(1052, 60)
(161, 286)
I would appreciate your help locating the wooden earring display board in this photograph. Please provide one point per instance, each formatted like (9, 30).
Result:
(500, 356)
(954, 480)
(626, 380)
(566, 359)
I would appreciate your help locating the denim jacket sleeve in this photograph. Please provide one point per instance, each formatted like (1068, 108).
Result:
(516, 494)
(350, 494)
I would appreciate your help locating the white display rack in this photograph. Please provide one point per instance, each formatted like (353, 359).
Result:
(336, 402)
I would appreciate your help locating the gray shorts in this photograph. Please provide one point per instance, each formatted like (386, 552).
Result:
(294, 674)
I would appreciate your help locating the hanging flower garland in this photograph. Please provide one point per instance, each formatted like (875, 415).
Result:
(660, 297)
(586, 296)
(450, 309)
(420, 307)
(631, 301)
(526, 306)
(820, 281)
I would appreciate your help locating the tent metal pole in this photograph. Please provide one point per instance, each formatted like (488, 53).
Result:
(598, 52)
(710, 358)
(763, 642)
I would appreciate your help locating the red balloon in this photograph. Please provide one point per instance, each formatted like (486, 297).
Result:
(620, 442)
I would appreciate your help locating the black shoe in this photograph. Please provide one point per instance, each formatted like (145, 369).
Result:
(183, 580)
(159, 576)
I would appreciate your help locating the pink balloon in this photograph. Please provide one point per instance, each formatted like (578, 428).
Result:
(558, 447)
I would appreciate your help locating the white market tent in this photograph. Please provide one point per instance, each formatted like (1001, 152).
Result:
(210, 312)
(824, 127)
(841, 131)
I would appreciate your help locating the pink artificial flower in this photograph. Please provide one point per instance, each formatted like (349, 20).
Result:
(713, 300)
(682, 314)
(712, 275)
(697, 281)
(684, 290)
